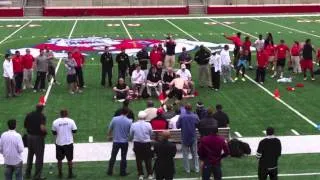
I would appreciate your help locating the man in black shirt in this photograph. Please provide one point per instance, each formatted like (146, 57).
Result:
(123, 63)
(221, 117)
(185, 58)
(268, 153)
(154, 81)
(170, 53)
(207, 123)
(143, 58)
(107, 65)
(202, 58)
(34, 124)
(307, 59)
(168, 76)
(121, 90)
(125, 105)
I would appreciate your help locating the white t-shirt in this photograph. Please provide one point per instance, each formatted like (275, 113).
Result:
(138, 77)
(7, 69)
(64, 128)
(225, 57)
(259, 44)
(185, 75)
(173, 122)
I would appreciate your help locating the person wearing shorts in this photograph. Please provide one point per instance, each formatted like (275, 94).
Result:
(170, 44)
(306, 62)
(281, 53)
(176, 87)
(64, 128)
(71, 64)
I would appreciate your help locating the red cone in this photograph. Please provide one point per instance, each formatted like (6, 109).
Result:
(289, 88)
(276, 93)
(42, 101)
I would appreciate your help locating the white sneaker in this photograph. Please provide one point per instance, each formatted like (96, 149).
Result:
(281, 76)
(305, 78)
(141, 177)
(236, 79)
(224, 81)
(24, 88)
(261, 83)
(35, 91)
(273, 76)
(150, 177)
(243, 79)
(313, 79)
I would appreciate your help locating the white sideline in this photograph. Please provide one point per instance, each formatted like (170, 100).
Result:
(238, 134)
(295, 132)
(6, 38)
(58, 65)
(265, 89)
(159, 18)
(125, 28)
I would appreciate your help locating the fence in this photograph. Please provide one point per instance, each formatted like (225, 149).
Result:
(110, 3)
(260, 2)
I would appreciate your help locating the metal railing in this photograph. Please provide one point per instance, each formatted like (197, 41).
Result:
(260, 2)
(108, 3)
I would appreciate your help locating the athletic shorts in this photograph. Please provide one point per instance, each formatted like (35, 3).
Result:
(64, 151)
(281, 62)
(51, 70)
(178, 93)
(306, 64)
(71, 78)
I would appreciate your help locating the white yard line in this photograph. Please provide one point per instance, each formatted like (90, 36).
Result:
(295, 132)
(181, 29)
(58, 65)
(125, 28)
(159, 18)
(265, 89)
(238, 134)
(255, 176)
(6, 38)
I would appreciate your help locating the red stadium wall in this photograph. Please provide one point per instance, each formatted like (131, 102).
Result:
(116, 11)
(297, 8)
(11, 12)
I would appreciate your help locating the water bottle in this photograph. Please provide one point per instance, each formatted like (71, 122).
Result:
(50, 168)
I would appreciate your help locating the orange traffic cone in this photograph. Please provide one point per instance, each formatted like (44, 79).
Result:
(42, 101)
(276, 93)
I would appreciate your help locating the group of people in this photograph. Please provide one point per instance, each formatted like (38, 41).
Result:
(18, 71)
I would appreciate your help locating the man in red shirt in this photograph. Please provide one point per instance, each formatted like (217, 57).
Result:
(281, 54)
(262, 62)
(270, 51)
(27, 62)
(18, 71)
(212, 149)
(155, 56)
(237, 44)
(159, 123)
(246, 47)
(295, 57)
(79, 58)
(318, 56)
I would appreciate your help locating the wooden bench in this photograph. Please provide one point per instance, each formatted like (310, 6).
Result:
(176, 134)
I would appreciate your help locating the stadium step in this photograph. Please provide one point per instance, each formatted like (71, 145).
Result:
(35, 3)
(33, 11)
(197, 9)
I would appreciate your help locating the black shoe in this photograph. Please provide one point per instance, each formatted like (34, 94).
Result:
(40, 178)
(27, 176)
(71, 176)
(109, 173)
(60, 176)
(124, 174)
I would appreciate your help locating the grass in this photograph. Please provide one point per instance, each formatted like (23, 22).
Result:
(250, 109)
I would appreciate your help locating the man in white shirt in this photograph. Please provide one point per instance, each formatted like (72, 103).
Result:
(259, 43)
(64, 128)
(226, 64)
(11, 147)
(8, 76)
(141, 132)
(138, 80)
(185, 74)
(215, 62)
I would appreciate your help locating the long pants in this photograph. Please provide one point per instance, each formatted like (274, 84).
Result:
(35, 147)
(27, 77)
(169, 61)
(249, 58)
(105, 72)
(143, 154)
(138, 88)
(226, 72)
(209, 169)
(163, 177)
(40, 80)
(13, 169)
(19, 79)
(195, 160)
(242, 68)
(204, 75)
(260, 74)
(296, 64)
(51, 73)
(215, 78)
(79, 75)
(10, 87)
(122, 73)
(123, 163)
(263, 173)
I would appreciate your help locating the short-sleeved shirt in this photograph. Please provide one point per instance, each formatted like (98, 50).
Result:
(27, 61)
(318, 54)
(71, 65)
(171, 46)
(121, 86)
(295, 50)
(120, 126)
(42, 63)
(185, 75)
(307, 52)
(32, 123)
(247, 45)
(282, 51)
(64, 128)
(141, 131)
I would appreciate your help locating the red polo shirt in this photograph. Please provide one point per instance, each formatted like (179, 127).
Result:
(159, 123)
(318, 54)
(236, 40)
(155, 57)
(17, 64)
(295, 50)
(246, 46)
(78, 57)
(27, 61)
(282, 51)
(262, 59)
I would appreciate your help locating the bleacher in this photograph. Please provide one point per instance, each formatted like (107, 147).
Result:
(11, 8)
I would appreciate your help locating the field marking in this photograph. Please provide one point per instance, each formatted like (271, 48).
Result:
(264, 132)
(238, 134)
(171, 17)
(285, 27)
(295, 132)
(265, 89)
(58, 65)
(10, 35)
(125, 28)
(255, 176)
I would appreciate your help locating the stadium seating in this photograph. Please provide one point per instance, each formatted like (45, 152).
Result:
(11, 8)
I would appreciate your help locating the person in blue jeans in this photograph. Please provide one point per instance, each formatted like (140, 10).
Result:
(11, 147)
(188, 123)
(241, 66)
(119, 131)
(212, 149)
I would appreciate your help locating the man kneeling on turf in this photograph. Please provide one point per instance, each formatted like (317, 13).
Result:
(64, 128)
(177, 88)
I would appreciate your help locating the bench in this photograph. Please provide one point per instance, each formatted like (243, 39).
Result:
(176, 134)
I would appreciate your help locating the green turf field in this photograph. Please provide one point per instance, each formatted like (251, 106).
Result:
(250, 108)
